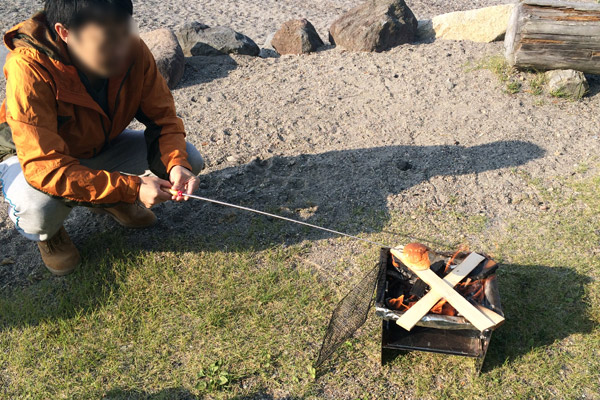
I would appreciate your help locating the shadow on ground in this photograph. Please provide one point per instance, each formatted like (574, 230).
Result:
(204, 69)
(594, 82)
(346, 190)
(179, 394)
(542, 305)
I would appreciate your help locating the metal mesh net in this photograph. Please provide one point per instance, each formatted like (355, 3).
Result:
(349, 315)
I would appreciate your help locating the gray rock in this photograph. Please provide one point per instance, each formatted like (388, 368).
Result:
(567, 83)
(200, 40)
(168, 54)
(376, 25)
(187, 35)
(297, 36)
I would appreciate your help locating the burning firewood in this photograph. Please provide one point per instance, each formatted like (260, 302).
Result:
(442, 299)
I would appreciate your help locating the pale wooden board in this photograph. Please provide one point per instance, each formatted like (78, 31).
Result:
(414, 314)
(495, 317)
(462, 305)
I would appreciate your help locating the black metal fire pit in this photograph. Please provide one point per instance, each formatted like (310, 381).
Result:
(435, 333)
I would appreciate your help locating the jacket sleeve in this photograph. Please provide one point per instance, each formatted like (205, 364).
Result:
(31, 113)
(165, 133)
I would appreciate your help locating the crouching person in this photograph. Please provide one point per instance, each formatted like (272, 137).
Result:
(77, 75)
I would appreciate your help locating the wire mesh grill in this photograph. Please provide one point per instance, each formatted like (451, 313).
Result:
(349, 315)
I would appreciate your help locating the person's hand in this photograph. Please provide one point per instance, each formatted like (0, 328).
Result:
(152, 192)
(183, 180)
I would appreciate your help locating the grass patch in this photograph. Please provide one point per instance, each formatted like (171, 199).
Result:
(514, 81)
(537, 83)
(247, 322)
(506, 74)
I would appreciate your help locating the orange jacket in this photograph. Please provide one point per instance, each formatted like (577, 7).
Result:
(54, 121)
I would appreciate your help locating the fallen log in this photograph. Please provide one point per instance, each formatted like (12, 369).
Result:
(552, 34)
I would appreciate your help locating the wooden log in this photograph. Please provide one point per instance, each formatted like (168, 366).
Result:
(552, 34)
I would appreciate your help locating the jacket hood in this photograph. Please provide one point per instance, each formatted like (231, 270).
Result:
(35, 33)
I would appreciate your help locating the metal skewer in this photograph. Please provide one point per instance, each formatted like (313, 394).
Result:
(295, 221)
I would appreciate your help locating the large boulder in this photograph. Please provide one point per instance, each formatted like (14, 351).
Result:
(201, 40)
(297, 36)
(567, 83)
(481, 25)
(168, 54)
(376, 25)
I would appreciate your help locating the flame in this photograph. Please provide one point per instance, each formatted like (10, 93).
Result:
(461, 248)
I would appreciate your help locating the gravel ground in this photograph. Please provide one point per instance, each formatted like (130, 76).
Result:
(325, 135)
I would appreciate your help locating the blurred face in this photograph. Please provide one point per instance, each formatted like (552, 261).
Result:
(99, 49)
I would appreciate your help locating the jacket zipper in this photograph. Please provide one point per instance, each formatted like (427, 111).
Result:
(107, 133)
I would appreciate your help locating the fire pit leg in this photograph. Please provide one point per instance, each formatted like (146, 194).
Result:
(388, 355)
(486, 337)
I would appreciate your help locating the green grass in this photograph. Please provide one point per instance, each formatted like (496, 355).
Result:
(506, 74)
(537, 83)
(514, 81)
(247, 322)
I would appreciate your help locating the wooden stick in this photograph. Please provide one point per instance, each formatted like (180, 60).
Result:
(414, 314)
(462, 305)
(494, 316)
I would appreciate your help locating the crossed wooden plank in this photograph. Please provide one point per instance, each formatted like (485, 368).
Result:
(481, 317)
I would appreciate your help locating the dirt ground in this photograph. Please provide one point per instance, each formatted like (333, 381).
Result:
(329, 136)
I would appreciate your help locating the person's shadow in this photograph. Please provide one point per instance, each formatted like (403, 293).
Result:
(345, 190)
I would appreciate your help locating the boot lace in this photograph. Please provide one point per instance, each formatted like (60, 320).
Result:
(55, 242)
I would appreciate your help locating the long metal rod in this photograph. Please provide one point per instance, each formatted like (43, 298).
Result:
(295, 221)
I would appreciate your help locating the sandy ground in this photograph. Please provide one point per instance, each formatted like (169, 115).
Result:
(325, 135)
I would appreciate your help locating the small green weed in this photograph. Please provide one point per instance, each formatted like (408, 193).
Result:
(214, 377)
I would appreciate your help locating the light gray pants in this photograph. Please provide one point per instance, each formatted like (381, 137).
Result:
(38, 216)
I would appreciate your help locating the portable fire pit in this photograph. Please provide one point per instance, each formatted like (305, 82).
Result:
(415, 315)
(441, 330)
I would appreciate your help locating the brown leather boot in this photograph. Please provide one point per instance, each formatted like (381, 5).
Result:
(129, 215)
(59, 253)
